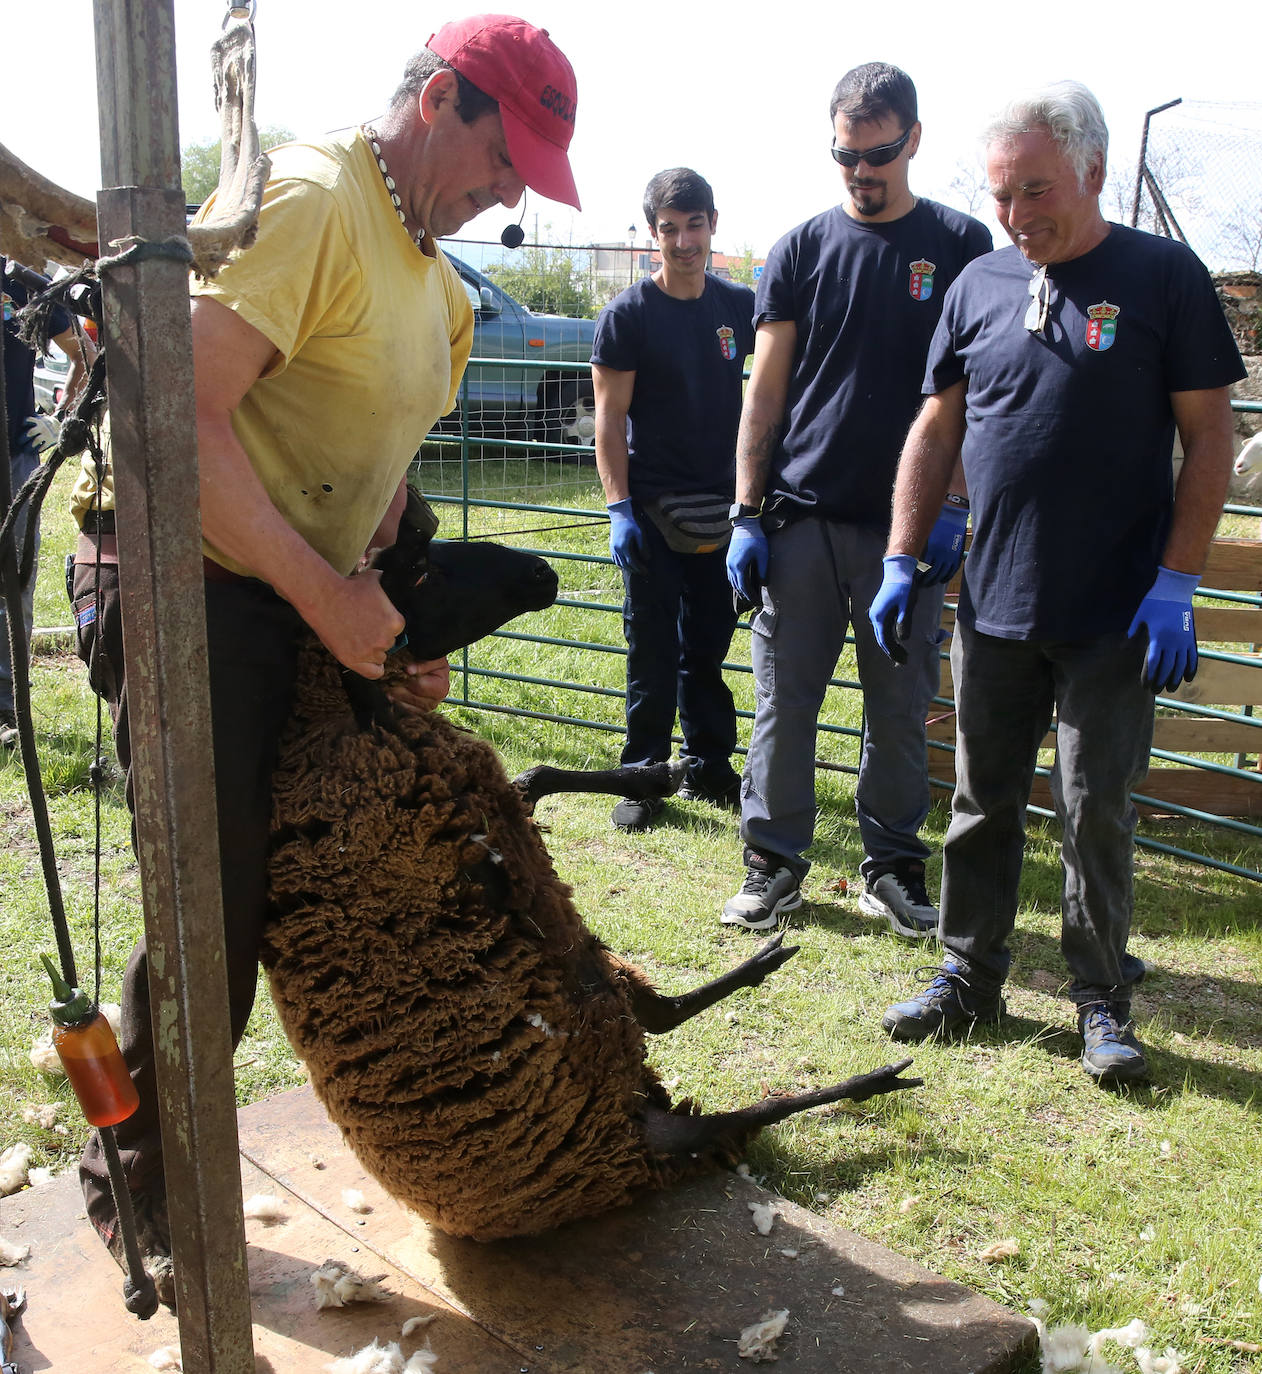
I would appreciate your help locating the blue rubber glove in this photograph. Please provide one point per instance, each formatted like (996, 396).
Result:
(891, 608)
(626, 538)
(945, 550)
(1166, 613)
(747, 557)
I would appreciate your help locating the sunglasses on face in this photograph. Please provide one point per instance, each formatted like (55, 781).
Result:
(874, 157)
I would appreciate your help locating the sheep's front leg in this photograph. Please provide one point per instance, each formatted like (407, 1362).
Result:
(670, 1133)
(640, 783)
(657, 1013)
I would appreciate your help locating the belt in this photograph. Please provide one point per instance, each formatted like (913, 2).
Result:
(87, 549)
(98, 523)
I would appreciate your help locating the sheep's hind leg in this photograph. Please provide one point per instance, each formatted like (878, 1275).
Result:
(670, 1133)
(657, 1013)
(640, 783)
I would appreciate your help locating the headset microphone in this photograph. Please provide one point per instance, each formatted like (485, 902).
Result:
(513, 235)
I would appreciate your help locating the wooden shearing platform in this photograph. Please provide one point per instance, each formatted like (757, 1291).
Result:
(666, 1285)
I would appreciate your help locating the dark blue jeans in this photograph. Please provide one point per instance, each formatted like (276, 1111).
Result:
(1005, 691)
(678, 618)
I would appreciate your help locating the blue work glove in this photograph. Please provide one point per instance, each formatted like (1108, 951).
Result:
(945, 550)
(626, 538)
(891, 608)
(747, 557)
(1166, 613)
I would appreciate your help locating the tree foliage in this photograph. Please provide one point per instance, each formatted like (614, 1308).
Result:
(548, 280)
(199, 162)
(740, 266)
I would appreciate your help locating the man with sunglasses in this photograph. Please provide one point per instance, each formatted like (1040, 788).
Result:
(845, 309)
(1060, 369)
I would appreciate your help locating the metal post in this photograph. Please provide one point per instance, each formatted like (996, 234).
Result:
(148, 338)
(1143, 158)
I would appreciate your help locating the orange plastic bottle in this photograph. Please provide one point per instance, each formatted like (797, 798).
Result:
(89, 1054)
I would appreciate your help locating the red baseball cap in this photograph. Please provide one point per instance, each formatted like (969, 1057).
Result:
(521, 67)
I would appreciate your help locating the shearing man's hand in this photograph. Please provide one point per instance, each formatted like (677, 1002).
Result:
(891, 608)
(1166, 614)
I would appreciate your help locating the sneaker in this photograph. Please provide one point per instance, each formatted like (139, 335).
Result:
(1110, 1051)
(766, 892)
(632, 814)
(8, 730)
(899, 897)
(726, 796)
(947, 1005)
(153, 1235)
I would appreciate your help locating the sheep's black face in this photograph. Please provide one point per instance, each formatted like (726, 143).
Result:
(453, 594)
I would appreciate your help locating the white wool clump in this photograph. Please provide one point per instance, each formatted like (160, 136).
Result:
(1148, 1233)
(536, 1020)
(113, 1013)
(45, 1117)
(12, 1254)
(908, 1203)
(789, 1254)
(337, 1285)
(37, 1176)
(1000, 1250)
(385, 1359)
(315, 1161)
(765, 1214)
(415, 1324)
(1071, 1349)
(839, 1292)
(758, 1342)
(168, 1357)
(265, 1207)
(14, 1163)
(353, 1199)
(44, 1056)
(743, 1169)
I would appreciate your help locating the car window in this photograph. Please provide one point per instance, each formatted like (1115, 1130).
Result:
(475, 298)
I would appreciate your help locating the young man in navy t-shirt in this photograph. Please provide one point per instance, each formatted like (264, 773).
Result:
(1062, 367)
(847, 304)
(667, 367)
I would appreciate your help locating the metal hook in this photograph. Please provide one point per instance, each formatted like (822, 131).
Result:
(238, 12)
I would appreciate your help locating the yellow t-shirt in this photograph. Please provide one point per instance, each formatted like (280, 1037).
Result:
(371, 333)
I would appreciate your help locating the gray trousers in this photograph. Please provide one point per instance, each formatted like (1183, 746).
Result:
(1005, 690)
(821, 579)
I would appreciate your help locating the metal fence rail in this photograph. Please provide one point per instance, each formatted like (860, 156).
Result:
(526, 477)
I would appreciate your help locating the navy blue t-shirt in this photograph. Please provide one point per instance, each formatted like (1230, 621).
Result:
(19, 362)
(1069, 433)
(688, 357)
(865, 298)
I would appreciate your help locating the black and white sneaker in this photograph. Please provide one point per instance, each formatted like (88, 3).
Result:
(767, 892)
(899, 897)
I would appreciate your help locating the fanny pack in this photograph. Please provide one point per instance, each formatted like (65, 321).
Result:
(692, 522)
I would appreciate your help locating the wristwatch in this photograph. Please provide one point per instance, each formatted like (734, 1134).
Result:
(739, 512)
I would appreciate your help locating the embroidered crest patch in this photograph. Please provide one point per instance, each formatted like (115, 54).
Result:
(921, 284)
(86, 616)
(727, 341)
(1102, 326)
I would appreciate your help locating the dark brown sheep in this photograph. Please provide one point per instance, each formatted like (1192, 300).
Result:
(480, 1049)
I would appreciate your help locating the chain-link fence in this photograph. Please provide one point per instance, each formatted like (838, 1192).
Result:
(1198, 177)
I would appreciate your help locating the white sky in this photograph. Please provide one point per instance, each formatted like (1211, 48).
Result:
(740, 92)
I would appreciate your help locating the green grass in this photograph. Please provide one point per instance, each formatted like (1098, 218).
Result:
(1146, 1203)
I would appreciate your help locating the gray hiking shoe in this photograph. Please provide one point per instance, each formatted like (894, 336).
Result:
(948, 1005)
(899, 897)
(768, 890)
(1110, 1052)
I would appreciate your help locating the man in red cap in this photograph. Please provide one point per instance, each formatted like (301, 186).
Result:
(323, 356)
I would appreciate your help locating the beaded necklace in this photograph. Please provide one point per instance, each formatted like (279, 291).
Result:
(373, 142)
